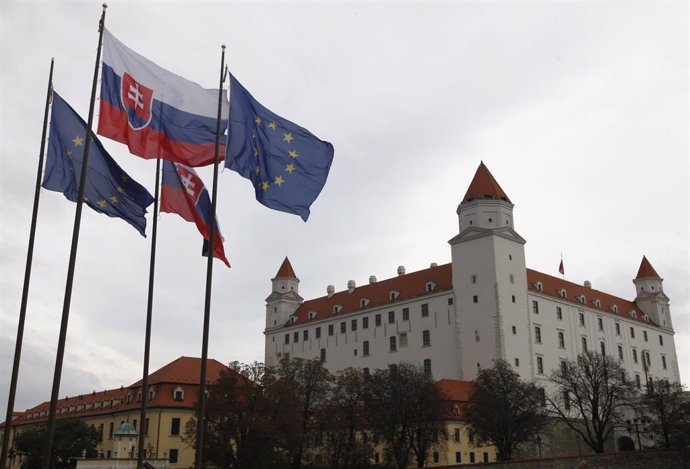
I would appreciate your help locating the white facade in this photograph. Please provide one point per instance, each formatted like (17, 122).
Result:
(457, 318)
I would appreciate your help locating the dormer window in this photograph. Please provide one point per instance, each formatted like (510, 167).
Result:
(152, 393)
(582, 299)
(633, 314)
(312, 314)
(430, 286)
(178, 394)
(292, 320)
(393, 295)
(363, 302)
(614, 308)
(456, 410)
(646, 318)
(337, 309)
(539, 286)
(562, 293)
(597, 303)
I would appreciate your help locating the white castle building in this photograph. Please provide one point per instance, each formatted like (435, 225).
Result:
(456, 318)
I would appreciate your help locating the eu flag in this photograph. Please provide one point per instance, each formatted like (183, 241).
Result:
(286, 163)
(108, 188)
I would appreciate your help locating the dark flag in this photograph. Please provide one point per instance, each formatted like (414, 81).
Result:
(108, 189)
(287, 165)
(184, 193)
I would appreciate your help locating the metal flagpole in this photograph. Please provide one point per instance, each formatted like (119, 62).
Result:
(50, 432)
(149, 315)
(201, 418)
(27, 278)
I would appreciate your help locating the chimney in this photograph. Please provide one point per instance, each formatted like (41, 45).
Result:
(401, 270)
(433, 264)
(372, 279)
(330, 290)
(588, 284)
(351, 285)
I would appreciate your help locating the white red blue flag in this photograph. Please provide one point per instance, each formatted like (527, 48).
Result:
(155, 112)
(183, 192)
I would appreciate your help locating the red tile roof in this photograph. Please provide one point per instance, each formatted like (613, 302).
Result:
(552, 285)
(408, 286)
(646, 270)
(484, 186)
(455, 389)
(286, 270)
(182, 372)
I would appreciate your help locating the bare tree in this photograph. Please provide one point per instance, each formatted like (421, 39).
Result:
(669, 408)
(299, 391)
(505, 410)
(591, 395)
(406, 410)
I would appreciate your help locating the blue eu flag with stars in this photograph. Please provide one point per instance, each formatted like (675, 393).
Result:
(286, 163)
(108, 188)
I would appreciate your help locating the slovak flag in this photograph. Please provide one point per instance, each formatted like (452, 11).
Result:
(561, 270)
(156, 113)
(183, 192)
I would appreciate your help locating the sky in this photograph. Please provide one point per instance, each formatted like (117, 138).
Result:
(579, 110)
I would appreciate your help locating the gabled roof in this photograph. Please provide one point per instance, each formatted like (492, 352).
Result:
(484, 186)
(286, 270)
(184, 370)
(552, 285)
(646, 270)
(456, 390)
(407, 286)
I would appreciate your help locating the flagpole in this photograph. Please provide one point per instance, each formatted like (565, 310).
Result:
(201, 418)
(50, 431)
(27, 278)
(149, 315)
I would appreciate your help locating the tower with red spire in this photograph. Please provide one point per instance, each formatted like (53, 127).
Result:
(489, 281)
(651, 298)
(283, 301)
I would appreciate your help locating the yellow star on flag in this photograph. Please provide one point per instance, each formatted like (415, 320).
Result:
(265, 186)
(124, 178)
(258, 170)
(258, 120)
(101, 203)
(69, 153)
(293, 153)
(256, 152)
(288, 137)
(120, 189)
(113, 199)
(290, 168)
(272, 125)
(78, 141)
(278, 181)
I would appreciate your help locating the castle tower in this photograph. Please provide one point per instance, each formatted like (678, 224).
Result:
(125, 441)
(283, 300)
(651, 298)
(490, 281)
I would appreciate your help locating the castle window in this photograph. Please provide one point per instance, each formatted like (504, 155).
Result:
(620, 352)
(618, 329)
(392, 344)
(633, 314)
(632, 332)
(450, 301)
(540, 365)
(427, 366)
(540, 286)
(514, 330)
(597, 303)
(637, 381)
(426, 338)
(582, 319)
(425, 309)
(561, 339)
(456, 434)
(559, 313)
(512, 279)
(510, 257)
(295, 337)
(663, 361)
(537, 334)
(317, 332)
(535, 307)
(517, 363)
(312, 314)
(343, 327)
(513, 298)
(363, 302)
(584, 344)
(476, 336)
(474, 278)
(430, 286)
(337, 309)
(602, 346)
(403, 339)
(661, 340)
(175, 426)
(600, 321)
(475, 299)
(582, 299)
(644, 335)
(393, 295)
(377, 319)
(305, 335)
(353, 325)
(178, 394)
(634, 355)
(330, 329)
(365, 323)
(563, 293)
(614, 308)
(391, 317)
(322, 355)
(365, 348)
(406, 314)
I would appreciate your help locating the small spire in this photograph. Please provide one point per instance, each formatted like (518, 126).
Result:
(646, 270)
(484, 186)
(286, 270)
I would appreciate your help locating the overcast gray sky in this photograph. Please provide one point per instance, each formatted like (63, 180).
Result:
(579, 109)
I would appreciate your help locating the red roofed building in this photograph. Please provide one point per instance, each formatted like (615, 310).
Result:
(173, 391)
(456, 318)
